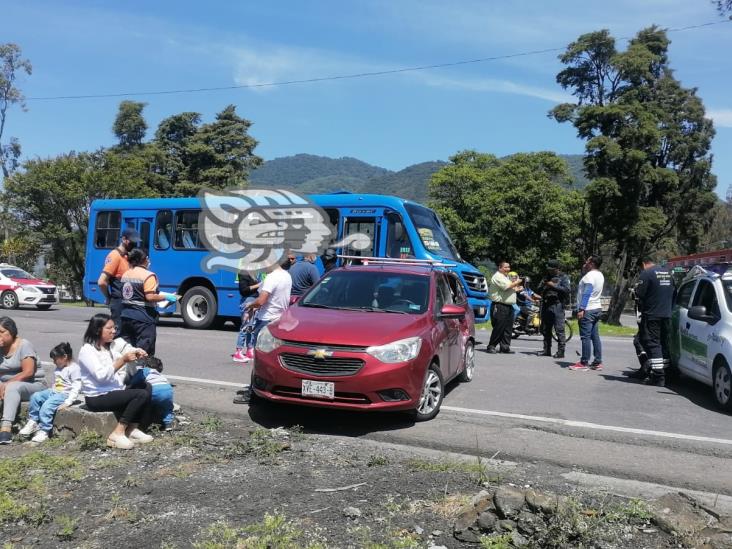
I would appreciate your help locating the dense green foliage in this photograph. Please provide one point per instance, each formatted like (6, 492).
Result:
(647, 149)
(511, 208)
(294, 171)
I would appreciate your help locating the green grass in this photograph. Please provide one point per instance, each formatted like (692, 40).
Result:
(605, 329)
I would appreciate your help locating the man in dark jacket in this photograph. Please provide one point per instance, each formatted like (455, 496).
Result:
(655, 294)
(304, 274)
(554, 290)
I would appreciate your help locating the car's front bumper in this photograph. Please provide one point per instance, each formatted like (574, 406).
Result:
(362, 391)
(26, 297)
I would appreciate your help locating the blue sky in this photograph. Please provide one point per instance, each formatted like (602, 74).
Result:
(393, 121)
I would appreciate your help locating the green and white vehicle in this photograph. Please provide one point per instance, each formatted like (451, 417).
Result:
(701, 333)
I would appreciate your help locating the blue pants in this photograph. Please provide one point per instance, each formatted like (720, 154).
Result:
(590, 336)
(162, 402)
(43, 406)
(244, 340)
(258, 325)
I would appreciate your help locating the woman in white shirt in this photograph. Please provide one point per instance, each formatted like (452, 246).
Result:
(104, 389)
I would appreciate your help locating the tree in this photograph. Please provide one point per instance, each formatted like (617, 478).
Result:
(647, 150)
(11, 65)
(21, 250)
(52, 197)
(513, 208)
(724, 6)
(129, 125)
(220, 154)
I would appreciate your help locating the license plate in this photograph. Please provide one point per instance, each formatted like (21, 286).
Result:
(319, 389)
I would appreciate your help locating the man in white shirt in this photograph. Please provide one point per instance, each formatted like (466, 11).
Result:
(589, 311)
(273, 300)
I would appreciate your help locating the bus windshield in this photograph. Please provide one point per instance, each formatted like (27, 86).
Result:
(431, 232)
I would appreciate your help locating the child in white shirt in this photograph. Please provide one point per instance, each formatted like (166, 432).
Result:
(65, 391)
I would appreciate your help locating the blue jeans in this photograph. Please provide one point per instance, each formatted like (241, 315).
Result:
(258, 325)
(244, 340)
(43, 406)
(162, 402)
(590, 336)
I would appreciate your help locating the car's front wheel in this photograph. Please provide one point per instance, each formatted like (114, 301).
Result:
(433, 391)
(469, 363)
(9, 300)
(722, 385)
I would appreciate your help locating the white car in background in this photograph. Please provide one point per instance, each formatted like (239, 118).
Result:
(18, 287)
(701, 333)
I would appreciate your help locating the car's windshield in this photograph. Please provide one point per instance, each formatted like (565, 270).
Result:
(16, 273)
(371, 291)
(431, 232)
(727, 285)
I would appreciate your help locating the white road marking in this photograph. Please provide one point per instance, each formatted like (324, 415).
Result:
(541, 419)
(208, 381)
(587, 425)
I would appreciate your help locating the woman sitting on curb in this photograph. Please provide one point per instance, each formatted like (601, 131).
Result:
(19, 375)
(104, 389)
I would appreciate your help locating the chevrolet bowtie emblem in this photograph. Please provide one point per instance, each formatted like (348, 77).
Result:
(320, 353)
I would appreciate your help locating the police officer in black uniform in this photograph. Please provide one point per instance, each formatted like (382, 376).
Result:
(554, 290)
(655, 294)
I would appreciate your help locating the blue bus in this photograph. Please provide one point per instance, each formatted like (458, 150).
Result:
(168, 228)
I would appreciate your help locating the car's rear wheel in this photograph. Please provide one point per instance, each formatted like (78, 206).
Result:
(9, 300)
(43, 307)
(469, 363)
(433, 391)
(722, 385)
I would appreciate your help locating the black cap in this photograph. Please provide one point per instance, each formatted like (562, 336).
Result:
(132, 235)
(554, 264)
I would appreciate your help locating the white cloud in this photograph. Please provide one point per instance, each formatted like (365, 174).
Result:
(497, 85)
(722, 117)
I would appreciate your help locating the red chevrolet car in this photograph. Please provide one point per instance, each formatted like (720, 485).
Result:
(376, 337)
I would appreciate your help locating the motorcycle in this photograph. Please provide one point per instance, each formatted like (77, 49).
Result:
(532, 325)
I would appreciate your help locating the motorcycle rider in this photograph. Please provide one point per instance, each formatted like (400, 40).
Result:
(525, 300)
(655, 292)
(554, 290)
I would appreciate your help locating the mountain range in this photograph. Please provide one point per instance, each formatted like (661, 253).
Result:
(310, 174)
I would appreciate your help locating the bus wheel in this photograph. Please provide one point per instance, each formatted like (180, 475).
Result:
(198, 308)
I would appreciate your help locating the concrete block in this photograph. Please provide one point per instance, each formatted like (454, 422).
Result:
(70, 422)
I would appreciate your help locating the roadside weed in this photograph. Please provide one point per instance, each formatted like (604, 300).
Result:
(275, 531)
(377, 460)
(89, 440)
(503, 541)
(211, 423)
(66, 526)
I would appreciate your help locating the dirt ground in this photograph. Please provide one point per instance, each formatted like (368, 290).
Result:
(215, 483)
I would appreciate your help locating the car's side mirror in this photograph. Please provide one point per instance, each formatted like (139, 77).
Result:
(699, 312)
(452, 311)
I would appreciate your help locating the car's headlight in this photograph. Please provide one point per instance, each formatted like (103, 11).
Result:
(266, 342)
(397, 351)
(31, 289)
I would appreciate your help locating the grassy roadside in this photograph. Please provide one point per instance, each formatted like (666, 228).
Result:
(605, 329)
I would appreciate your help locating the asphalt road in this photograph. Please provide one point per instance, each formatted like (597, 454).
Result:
(519, 407)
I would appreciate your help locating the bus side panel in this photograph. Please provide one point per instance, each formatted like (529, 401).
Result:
(93, 263)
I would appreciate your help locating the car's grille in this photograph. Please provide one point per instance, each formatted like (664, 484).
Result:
(49, 298)
(47, 290)
(475, 282)
(326, 346)
(328, 366)
(344, 398)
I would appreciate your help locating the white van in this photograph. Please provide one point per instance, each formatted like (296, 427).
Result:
(701, 333)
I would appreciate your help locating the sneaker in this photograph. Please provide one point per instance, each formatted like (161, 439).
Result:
(40, 436)
(29, 428)
(239, 356)
(120, 441)
(139, 437)
(579, 367)
(6, 437)
(250, 353)
(597, 366)
(491, 350)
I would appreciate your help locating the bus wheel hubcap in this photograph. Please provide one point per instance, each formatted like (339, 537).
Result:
(197, 307)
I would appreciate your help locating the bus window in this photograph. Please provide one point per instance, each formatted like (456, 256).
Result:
(397, 240)
(431, 232)
(107, 231)
(362, 225)
(145, 235)
(163, 229)
(186, 231)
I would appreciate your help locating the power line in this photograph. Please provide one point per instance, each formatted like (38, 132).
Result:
(342, 76)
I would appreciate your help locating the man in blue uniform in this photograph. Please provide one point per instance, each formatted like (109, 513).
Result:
(655, 294)
(554, 290)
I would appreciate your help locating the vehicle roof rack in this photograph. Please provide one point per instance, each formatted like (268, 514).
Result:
(398, 261)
